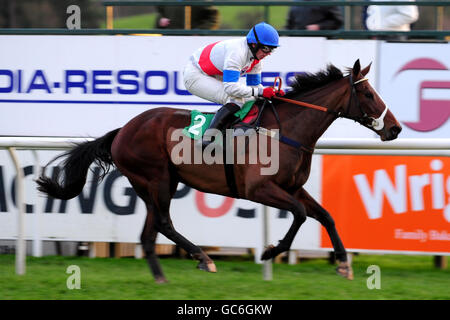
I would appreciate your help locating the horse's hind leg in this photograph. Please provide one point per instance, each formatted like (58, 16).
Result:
(148, 239)
(149, 233)
(205, 262)
(166, 228)
(156, 193)
(316, 211)
(162, 192)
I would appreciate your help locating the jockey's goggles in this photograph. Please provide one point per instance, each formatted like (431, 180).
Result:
(266, 49)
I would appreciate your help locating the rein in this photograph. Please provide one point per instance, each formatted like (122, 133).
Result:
(299, 103)
(303, 104)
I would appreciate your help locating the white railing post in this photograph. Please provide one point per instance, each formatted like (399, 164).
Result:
(267, 265)
(37, 241)
(21, 246)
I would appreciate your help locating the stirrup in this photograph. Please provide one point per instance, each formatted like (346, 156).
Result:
(220, 121)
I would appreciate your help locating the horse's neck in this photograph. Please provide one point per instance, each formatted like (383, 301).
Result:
(308, 125)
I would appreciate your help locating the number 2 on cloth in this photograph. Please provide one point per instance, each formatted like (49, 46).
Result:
(194, 129)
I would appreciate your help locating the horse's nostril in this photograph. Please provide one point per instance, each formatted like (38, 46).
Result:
(395, 130)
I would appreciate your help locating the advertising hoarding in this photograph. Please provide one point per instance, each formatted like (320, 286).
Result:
(54, 86)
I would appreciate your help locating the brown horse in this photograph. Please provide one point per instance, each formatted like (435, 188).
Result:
(142, 151)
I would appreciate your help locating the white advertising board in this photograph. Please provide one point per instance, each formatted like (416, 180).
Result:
(111, 212)
(415, 83)
(87, 86)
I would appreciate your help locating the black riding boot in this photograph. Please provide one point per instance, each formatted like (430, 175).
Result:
(221, 118)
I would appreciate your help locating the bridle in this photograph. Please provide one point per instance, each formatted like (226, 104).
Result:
(364, 119)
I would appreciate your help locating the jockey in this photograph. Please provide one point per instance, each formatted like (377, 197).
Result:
(213, 72)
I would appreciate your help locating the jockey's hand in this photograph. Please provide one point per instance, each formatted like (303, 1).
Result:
(270, 92)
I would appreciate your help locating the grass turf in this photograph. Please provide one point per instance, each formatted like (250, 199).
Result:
(402, 277)
(233, 17)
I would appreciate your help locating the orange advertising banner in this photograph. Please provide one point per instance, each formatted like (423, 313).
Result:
(388, 203)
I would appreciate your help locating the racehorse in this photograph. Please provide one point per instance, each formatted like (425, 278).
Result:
(141, 150)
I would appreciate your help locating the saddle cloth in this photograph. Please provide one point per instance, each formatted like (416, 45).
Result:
(200, 121)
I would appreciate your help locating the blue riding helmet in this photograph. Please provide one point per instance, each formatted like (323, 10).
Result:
(264, 34)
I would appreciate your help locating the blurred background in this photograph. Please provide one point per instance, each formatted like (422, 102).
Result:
(51, 14)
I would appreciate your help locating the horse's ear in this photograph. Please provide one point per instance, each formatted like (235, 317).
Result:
(366, 69)
(356, 69)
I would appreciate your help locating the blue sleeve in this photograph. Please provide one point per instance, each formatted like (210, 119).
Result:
(231, 76)
(253, 79)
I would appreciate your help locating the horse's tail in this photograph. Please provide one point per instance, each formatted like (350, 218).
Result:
(75, 167)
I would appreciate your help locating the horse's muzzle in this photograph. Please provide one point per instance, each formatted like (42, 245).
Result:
(392, 133)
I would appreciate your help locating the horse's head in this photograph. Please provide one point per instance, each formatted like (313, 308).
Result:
(366, 106)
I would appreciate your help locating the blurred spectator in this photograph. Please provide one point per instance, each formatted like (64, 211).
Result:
(391, 18)
(364, 16)
(314, 17)
(202, 17)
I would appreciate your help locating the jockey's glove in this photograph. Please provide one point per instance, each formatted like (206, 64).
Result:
(270, 92)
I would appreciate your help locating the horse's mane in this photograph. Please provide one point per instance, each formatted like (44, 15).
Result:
(306, 81)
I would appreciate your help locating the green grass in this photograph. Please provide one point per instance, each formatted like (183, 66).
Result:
(237, 17)
(142, 21)
(402, 277)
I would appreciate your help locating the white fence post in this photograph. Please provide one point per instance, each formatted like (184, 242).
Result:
(267, 265)
(37, 241)
(21, 246)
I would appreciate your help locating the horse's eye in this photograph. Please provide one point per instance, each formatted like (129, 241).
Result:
(369, 95)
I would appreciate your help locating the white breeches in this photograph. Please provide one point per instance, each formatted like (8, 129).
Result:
(208, 87)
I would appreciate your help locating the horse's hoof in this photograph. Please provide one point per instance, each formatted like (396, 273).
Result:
(345, 270)
(160, 280)
(212, 267)
(268, 253)
(208, 266)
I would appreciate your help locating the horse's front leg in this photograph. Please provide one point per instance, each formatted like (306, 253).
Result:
(316, 211)
(272, 195)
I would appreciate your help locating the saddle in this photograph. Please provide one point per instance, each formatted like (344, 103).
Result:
(252, 120)
(249, 121)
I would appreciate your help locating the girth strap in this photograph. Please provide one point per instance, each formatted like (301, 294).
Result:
(229, 173)
(281, 137)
